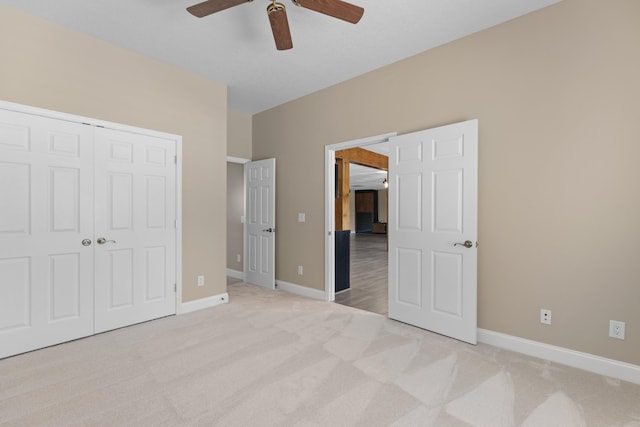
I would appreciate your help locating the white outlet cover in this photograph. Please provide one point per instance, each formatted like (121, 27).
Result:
(616, 329)
(300, 270)
(545, 316)
(200, 280)
(301, 217)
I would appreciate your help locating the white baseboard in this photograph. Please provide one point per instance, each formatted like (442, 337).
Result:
(588, 362)
(300, 290)
(235, 274)
(199, 304)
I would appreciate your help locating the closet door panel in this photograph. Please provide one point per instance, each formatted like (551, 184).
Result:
(135, 215)
(46, 274)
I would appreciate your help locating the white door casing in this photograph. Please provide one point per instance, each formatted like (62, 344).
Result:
(260, 222)
(433, 207)
(46, 197)
(135, 197)
(49, 226)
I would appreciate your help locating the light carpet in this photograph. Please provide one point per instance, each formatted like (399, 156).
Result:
(269, 358)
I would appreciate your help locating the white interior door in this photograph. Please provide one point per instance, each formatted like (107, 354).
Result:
(260, 222)
(432, 213)
(46, 198)
(135, 214)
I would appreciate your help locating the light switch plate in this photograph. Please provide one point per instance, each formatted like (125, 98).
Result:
(301, 217)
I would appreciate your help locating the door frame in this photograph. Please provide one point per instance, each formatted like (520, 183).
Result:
(330, 205)
(26, 109)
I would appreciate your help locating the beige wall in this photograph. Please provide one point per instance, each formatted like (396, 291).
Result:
(235, 210)
(239, 128)
(556, 94)
(47, 66)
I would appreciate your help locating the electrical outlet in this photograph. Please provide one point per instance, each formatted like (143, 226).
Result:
(545, 316)
(200, 280)
(301, 217)
(300, 270)
(616, 329)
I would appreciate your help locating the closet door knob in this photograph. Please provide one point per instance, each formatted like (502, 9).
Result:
(102, 241)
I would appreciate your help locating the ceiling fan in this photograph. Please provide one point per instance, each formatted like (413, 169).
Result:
(278, 15)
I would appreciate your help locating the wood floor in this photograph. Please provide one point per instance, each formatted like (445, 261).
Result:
(369, 272)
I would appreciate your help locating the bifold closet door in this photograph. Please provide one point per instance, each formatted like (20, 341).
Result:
(135, 228)
(46, 212)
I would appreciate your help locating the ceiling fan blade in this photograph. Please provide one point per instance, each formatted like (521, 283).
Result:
(212, 6)
(336, 8)
(280, 26)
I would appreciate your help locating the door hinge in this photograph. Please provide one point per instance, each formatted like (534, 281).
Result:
(175, 287)
(175, 160)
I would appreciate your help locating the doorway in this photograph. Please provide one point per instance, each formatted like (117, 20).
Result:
(366, 286)
(330, 204)
(433, 201)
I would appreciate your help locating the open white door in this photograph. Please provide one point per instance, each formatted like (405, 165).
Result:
(433, 229)
(260, 223)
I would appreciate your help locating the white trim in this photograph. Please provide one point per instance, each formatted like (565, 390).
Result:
(330, 205)
(330, 225)
(35, 111)
(240, 160)
(235, 274)
(585, 361)
(200, 304)
(178, 225)
(300, 290)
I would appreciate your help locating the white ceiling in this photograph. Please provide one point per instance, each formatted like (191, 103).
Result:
(366, 178)
(235, 47)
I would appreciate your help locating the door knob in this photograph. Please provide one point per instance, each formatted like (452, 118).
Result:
(268, 230)
(102, 241)
(466, 244)
(86, 242)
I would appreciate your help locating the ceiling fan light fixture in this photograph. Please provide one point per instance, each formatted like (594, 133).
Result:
(275, 7)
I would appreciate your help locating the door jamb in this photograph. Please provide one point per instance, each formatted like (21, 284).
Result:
(330, 205)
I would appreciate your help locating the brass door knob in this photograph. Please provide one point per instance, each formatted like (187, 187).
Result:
(466, 244)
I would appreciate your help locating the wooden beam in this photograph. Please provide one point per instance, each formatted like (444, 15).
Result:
(364, 157)
(342, 201)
